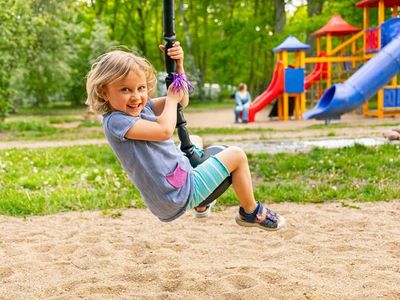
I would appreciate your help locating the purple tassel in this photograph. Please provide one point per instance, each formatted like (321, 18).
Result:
(180, 83)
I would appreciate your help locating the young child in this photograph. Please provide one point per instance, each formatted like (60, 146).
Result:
(140, 130)
(243, 100)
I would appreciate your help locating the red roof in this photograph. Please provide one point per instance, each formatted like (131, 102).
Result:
(336, 26)
(374, 3)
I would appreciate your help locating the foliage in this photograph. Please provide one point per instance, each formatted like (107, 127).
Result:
(47, 46)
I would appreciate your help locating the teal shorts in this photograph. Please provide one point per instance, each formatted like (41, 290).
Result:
(207, 177)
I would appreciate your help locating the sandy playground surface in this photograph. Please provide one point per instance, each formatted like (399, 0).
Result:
(326, 251)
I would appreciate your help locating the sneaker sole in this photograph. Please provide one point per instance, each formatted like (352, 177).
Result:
(281, 223)
(205, 213)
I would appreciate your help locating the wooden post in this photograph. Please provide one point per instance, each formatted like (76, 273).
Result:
(365, 27)
(365, 108)
(303, 94)
(285, 106)
(394, 80)
(353, 53)
(297, 111)
(285, 59)
(302, 59)
(303, 103)
(280, 108)
(329, 64)
(296, 59)
(381, 19)
(380, 104)
(285, 98)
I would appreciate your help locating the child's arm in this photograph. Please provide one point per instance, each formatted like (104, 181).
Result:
(176, 53)
(180, 70)
(158, 105)
(163, 128)
(238, 100)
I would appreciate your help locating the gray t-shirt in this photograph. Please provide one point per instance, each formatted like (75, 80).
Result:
(159, 170)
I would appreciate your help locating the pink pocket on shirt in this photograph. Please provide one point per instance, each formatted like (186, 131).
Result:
(178, 177)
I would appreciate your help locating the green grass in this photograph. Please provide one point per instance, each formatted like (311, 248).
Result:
(34, 129)
(331, 133)
(196, 106)
(50, 180)
(356, 173)
(55, 110)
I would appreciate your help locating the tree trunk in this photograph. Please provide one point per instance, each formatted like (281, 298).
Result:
(158, 32)
(114, 19)
(142, 32)
(230, 4)
(98, 8)
(280, 15)
(314, 8)
(189, 52)
(204, 56)
(128, 21)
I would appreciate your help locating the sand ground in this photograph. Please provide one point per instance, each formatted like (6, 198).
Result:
(326, 251)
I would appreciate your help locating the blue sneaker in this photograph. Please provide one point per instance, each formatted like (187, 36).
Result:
(269, 220)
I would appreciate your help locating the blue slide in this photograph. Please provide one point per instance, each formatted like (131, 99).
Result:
(361, 86)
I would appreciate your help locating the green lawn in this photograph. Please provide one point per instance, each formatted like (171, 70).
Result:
(50, 180)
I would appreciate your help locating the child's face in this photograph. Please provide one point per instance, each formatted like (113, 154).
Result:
(128, 94)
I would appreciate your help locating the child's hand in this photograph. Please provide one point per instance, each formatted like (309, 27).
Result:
(176, 96)
(176, 53)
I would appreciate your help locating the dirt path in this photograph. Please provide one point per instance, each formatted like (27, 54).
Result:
(356, 126)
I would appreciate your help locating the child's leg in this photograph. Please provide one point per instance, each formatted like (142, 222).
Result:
(235, 160)
(237, 114)
(197, 141)
(245, 113)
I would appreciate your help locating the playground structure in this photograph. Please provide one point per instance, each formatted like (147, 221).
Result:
(369, 59)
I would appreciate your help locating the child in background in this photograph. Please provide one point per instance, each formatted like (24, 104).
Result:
(140, 130)
(243, 100)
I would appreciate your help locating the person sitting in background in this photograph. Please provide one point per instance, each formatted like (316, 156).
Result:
(243, 100)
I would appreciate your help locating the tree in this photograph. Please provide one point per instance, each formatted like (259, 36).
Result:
(314, 8)
(280, 15)
(14, 41)
(189, 52)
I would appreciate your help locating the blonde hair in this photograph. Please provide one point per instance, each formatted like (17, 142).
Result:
(110, 67)
(242, 86)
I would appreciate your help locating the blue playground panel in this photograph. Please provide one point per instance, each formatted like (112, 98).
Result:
(294, 80)
(391, 97)
(389, 30)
